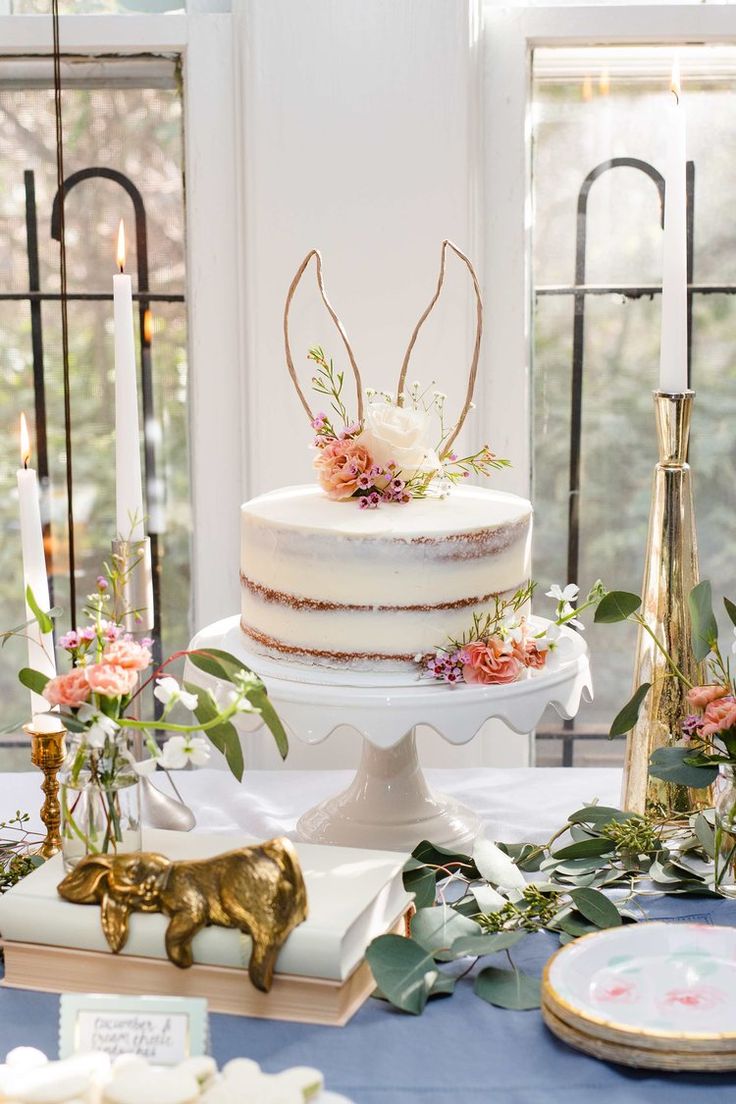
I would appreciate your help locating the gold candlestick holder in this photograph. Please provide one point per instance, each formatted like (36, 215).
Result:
(670, 573)
(47, 753)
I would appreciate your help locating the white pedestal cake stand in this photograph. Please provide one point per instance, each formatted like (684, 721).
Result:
(389, 803)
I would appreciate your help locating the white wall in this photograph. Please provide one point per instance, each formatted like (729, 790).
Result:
(360, 135)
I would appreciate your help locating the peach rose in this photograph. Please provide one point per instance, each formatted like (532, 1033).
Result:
(71, 689)
(127, 653)
(339, 466)
(700, 696)
(534, 656)
(489, 663)
(719, 717)
(111, 680)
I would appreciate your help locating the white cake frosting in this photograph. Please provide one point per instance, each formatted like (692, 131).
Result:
(328, 583)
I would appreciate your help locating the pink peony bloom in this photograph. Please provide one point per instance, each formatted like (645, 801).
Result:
(71, 690)
(127, 653)
(719, 717)
(489, 663)
(700, 696)
(339, 467)
(110, 680)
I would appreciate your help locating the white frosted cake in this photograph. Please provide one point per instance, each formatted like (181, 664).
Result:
(328, 584)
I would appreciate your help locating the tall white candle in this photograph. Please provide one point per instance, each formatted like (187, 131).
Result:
(40, 645)
(673, 347)
(128, 486)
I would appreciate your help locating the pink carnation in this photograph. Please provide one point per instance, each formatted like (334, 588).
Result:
(339, 467)
(700, 696)
(127, 653)
(534, 656)
(489, 662)
(719, 717)
(110, 680)
(71, 690)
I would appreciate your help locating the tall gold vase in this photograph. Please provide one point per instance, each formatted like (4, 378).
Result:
(670, 573)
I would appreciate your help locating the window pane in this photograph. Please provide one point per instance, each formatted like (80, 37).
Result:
(591, 105)
(125, 117)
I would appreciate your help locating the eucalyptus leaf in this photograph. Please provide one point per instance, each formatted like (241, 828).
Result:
(704, 626)
(443, 985)
(596, 907)
(258, 697)
(436, 930)
(730, 609)
(32, 680)
(617, 605)
(706, 835)
(420, 880)
(668, 763)
(508, 989)
(585, 848)
(217, 663)
(598, 814)
(403, 971)
(224, 736)
(488, 943)
(625, 720)
(574, 924)
(434, 855)
(45, 624)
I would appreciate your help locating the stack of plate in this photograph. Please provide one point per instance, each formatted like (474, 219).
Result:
(654, 995)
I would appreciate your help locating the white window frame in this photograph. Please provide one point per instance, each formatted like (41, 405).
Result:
(204, 42)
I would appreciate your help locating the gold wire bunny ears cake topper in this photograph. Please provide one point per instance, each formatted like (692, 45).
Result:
(399, 447)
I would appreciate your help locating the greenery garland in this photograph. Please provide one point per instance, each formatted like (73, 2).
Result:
(462, 916)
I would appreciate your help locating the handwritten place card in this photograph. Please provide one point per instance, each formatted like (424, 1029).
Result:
(165, 1030)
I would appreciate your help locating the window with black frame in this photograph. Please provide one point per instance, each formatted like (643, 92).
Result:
(598, 152)
(123, 151)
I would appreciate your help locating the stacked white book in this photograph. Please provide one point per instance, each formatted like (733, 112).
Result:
(321, 975)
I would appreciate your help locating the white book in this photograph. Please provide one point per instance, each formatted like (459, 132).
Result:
(353, 895)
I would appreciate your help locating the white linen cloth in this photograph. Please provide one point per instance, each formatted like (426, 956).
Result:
(515, 804)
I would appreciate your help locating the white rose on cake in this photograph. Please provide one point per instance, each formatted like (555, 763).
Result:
(399, 435)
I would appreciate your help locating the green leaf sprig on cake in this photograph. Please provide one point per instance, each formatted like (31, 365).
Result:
(391, 455)
(502, 645)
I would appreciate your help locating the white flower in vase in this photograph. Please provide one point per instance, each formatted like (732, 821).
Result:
(169, 692)
(100, 727)
(179, 751)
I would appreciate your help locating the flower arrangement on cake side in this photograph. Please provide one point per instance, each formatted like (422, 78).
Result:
(390, 455)
(502, 645)
(391, 451)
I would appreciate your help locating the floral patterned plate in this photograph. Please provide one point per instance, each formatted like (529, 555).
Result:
(658, 986)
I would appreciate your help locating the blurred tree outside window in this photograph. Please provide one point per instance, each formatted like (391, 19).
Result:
(590, 105)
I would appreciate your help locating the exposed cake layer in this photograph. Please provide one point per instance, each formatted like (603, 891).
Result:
(327, 581)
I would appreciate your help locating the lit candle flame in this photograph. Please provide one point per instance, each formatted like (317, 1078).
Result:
(121, 246)
(147, 326)
(675, 82)
(25, 442)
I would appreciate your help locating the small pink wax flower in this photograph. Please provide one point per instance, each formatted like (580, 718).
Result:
(127, 653)
(111, 680)
(490, 663)
(71, 690)
(719, 716)
(339, 467)
(700, 696)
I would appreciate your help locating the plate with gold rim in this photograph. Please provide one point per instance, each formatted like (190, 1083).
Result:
(654, 985)
(629, 1054)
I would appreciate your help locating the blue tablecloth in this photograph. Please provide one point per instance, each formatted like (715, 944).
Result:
(461, 1050)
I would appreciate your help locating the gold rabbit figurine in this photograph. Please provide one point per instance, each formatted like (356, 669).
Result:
(259, 890)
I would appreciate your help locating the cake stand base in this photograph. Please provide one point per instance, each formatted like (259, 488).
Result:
(390, 806)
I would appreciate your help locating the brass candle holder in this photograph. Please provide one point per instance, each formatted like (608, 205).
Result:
(47, 753)
(670, 573)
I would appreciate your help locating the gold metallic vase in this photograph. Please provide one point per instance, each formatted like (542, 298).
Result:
(47, 753)
(670, 573)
